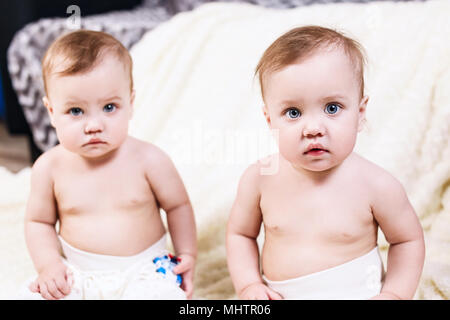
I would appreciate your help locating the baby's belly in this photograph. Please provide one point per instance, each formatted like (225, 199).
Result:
(112, 233)
(284, 259)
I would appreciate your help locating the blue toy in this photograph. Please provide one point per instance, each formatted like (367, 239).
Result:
(165, 265)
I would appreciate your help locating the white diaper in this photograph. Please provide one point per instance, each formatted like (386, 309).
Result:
(98, 276)
(360, 278)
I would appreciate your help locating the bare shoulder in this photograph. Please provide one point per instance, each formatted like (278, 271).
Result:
(41, 205)
(252, 174)
(380, 181)
(43, 175)
(245, 217)
(390, 205)
(147, 152)
(155, 163)
(46, 162)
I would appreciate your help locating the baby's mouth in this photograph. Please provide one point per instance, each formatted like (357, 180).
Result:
(316, 151)
(94, 141)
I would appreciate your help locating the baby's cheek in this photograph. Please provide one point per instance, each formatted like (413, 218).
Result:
(288, 146)
(119, 130)
(68, 138)
(346, 142)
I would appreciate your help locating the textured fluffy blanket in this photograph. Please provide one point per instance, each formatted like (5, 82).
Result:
(197, 99)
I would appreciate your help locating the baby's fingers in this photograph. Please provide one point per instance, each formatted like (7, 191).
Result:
(182, 267)
(259, 295)
(44, 292)
(187, 287)
(274, 295)
(34, 287)
(54, 290)
(62, 285)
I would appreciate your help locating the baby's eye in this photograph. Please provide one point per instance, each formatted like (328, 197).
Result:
(332, 108)
(293, 113)
(110, 107)
(75, 111)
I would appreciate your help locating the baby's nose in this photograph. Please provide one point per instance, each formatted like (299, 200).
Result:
(93, 126)
(313, 128)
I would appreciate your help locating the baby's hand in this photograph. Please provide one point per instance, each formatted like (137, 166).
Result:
(54, 282)
(259, 291)
(186, 269)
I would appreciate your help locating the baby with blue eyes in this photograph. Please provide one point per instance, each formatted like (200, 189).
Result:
(103, 187)
(322, 206)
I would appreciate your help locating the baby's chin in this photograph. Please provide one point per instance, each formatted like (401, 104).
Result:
(93, 153)
(316, 167)
(319, 165)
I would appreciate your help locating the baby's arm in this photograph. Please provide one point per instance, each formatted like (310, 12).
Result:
(401, 227)
(242, 249)
(40, 234)
(171, 194)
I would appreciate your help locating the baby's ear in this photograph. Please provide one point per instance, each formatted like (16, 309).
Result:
(362, 112)
(49, 109)
(266, 115)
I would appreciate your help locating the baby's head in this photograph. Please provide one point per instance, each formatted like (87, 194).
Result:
(89, 91)
(312, 83)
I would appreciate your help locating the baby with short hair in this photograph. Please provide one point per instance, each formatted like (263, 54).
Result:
(104, 187)
(322, 208)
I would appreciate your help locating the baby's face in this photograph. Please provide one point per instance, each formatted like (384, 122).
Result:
(317, 108)
(91, 111)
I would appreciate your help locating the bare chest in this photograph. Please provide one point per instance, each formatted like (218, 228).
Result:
(103, 190)
(326, 214)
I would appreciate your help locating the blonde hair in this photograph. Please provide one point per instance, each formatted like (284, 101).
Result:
(301, 42)
(80, 51)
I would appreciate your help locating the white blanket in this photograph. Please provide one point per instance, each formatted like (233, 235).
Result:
(197, 99)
